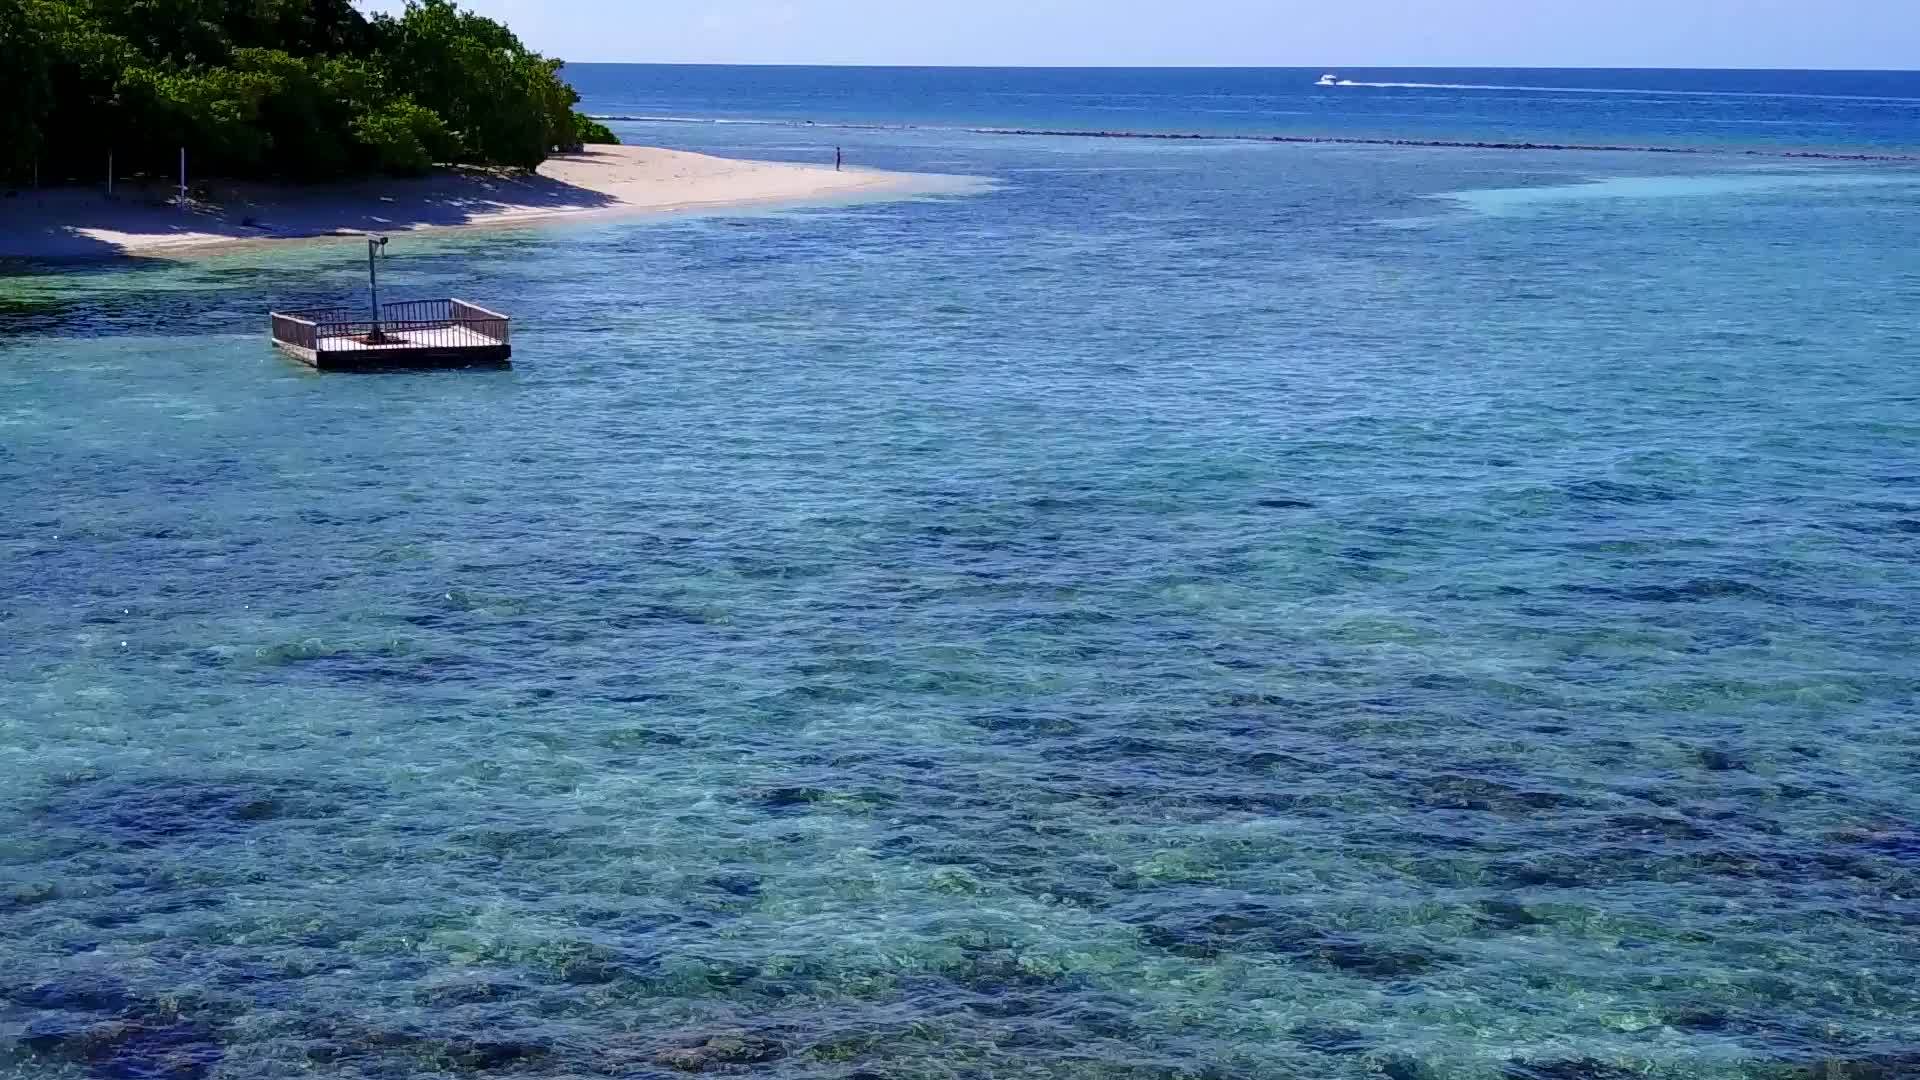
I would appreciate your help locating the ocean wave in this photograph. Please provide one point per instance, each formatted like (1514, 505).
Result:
(1621, 90)
(643, 119)
(838, 125)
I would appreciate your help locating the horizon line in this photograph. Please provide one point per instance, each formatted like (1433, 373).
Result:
(1234, 67)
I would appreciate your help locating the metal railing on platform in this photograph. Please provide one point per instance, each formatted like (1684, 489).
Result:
(421, 324)
(296, 331)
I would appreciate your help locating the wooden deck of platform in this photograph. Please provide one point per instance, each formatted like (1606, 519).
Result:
(410, 334)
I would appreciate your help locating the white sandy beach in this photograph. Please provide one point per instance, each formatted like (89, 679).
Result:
(75, 222)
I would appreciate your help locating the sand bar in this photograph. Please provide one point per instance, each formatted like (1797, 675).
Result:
(605, 180)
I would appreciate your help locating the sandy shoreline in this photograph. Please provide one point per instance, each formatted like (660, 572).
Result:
(605, 180)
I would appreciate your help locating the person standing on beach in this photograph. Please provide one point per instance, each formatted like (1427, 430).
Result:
(836, 159)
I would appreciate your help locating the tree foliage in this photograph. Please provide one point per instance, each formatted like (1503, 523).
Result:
(289, 88)
(587, 130)
(29, 91)
(405, 138)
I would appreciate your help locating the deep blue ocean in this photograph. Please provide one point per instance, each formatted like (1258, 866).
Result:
(1848, 112)
(1179, 610)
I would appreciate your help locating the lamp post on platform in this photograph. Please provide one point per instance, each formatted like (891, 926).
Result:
(376, 245)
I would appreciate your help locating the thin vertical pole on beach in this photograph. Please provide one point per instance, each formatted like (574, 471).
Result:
(109, 174)
(183, 178)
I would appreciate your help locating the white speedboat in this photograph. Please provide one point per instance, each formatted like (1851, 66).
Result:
(1328, 80)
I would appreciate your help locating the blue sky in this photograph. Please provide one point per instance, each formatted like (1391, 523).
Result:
(1287, 33)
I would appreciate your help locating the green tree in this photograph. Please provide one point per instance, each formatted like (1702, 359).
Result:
(504, 103)
(166, 32)
(81, 64)
(216, 113)
(587, 131)
(403, 138)
(307, 109)
(294, 88)
(23, 56)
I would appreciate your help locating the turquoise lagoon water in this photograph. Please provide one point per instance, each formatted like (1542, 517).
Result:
(1182, 611)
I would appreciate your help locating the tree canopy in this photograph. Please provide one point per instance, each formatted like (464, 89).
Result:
(273, 88)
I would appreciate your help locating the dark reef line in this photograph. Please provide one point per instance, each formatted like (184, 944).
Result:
(1453, 144)
(1316, 140)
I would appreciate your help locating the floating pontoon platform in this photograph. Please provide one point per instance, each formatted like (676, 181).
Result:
(408, 334)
